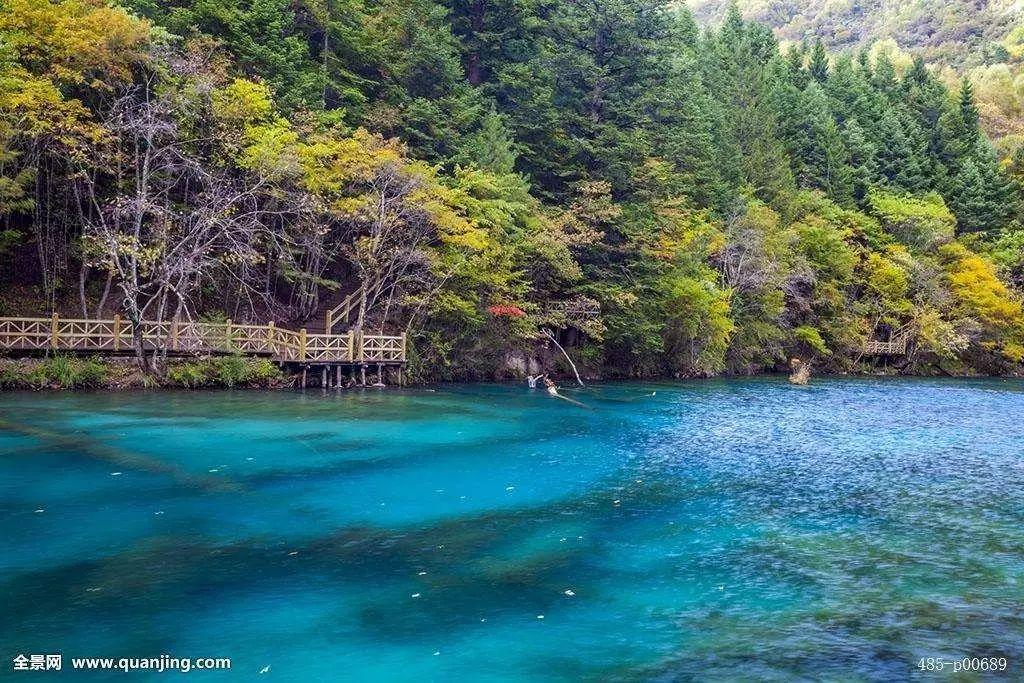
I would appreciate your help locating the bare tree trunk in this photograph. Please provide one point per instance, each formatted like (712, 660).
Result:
(83, 276)
(362, 308)
(571, 364)
(103, 299)
(474, 70)
(140, 353)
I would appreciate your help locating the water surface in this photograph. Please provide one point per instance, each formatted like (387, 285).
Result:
(740, 529)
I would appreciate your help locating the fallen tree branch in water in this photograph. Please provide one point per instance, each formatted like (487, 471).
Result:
(571, 364)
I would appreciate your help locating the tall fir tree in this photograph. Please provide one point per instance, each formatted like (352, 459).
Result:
(609, 61)
(818, 66)
(862, 159)
(981, 196)
(969, 113)
(820, 158)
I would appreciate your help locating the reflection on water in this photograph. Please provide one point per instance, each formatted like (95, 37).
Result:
(724, 529)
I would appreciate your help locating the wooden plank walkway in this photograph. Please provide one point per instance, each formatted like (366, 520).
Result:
(278, 343)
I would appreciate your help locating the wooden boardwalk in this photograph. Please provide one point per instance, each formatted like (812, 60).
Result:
(200, 338)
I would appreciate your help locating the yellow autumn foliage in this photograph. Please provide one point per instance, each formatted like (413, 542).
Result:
(981, 295)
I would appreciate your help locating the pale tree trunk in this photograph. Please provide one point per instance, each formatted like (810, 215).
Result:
(103, 299)
(83, 276)
(140, 352)
(571, 364)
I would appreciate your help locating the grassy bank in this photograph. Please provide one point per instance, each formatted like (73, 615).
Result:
(68, 372)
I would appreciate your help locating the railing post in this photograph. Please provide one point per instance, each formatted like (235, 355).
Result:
(351, 345)
(270, 336)
(328, 322)
(362, 346)
(117, 331)
(403, 348)
(174, 334)
(227, 335)
(302, 344)
(54, 331)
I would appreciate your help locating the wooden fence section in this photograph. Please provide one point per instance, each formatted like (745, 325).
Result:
(897, 346)
(69, 334)
(344, 310)
(574, 310)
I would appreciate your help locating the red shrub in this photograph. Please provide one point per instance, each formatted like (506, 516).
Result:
(506, 310)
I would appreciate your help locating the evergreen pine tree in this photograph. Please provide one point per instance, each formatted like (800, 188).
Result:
(820, 157)
(901, 150)
(489, 148)
(953, 146)
(733, 28)
(683, 129)
(795, 65)
(493, 33)
(739, 80)
(969, 113)
(928, 100)
(863, 164)
(610, 61)
(686, 30)
(969, 200)
(864, 61)
(818, 66)
(883, 76)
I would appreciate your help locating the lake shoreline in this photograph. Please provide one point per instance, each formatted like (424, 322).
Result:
(65, 373)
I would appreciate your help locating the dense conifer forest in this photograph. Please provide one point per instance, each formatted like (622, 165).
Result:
(477, 169)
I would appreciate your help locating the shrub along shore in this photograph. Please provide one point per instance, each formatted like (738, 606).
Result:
(64, 372)
(68, 372)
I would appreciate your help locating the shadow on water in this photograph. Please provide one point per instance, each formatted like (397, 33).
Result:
(50, 440)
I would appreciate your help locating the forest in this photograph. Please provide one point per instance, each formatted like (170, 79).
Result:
(980, 41)
(478, 171)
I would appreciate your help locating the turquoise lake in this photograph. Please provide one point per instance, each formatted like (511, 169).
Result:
(732, 529)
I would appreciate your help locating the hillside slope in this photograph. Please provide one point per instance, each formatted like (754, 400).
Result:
(959, 33)
(981, 40)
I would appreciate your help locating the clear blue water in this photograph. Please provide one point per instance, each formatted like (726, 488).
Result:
(740, 529)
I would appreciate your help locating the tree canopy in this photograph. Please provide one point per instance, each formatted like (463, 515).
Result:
(470, 167)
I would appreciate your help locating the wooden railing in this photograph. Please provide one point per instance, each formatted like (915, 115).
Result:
(70, 334)
(572, 311)
(896, 346)
(343, 311)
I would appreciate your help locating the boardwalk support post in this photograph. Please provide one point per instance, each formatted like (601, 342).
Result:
(54, 331)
